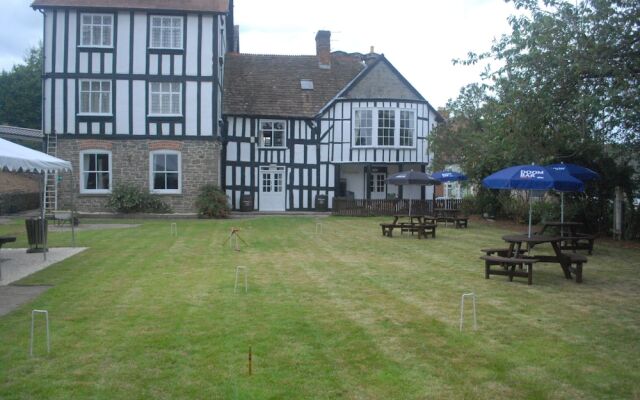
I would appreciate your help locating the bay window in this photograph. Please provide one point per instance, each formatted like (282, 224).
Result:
(384, 127)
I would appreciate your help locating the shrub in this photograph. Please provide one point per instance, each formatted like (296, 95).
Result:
(212, 202)
(128, 198)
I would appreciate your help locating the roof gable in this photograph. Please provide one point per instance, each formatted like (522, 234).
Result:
(381, 81)
(214, 6)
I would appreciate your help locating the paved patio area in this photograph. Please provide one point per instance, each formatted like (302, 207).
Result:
(15, 264)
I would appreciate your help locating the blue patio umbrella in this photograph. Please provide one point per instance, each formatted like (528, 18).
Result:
(532, 177)
(449, 176)
(582, 173)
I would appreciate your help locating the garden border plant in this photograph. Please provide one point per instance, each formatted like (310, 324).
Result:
(128, 198)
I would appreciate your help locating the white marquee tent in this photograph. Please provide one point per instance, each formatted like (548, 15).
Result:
(16, 158)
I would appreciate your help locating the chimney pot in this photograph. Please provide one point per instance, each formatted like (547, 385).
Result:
(323, 49)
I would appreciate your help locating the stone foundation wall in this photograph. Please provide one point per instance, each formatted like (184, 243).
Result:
(130, 164)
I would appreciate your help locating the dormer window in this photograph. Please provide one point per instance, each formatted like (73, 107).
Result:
(166, 32)
(96, 30)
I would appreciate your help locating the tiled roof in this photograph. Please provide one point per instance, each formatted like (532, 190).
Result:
(269, 85)
(216, 6)
(20, 132)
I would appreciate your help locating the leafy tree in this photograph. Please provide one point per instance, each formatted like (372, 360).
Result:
(21, 92)
(567, 89)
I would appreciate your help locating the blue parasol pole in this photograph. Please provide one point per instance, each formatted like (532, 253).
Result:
(530, 211)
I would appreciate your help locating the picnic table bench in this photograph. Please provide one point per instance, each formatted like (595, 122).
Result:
(6, 239)
(508, 266)
(3, 240)
(513, 256)
(572, 239)
(423, 230)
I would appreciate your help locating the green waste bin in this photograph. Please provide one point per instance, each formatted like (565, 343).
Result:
(34, 234)
(246, 203)
(322, 202)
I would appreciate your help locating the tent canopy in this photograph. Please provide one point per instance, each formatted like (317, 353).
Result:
(23, 159)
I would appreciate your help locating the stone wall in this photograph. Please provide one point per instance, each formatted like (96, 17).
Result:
(130, 165)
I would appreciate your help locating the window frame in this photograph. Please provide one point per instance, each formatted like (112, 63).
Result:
(377, 180)
(82, 25)
(151, 28)
(80, 91)
(150, 112)
(375, 127)
(261, 142)
(152, 172)
(83, 189)
(414, 122)
(358, 126)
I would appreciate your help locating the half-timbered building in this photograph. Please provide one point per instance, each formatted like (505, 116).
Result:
(331, 124)
(133, 95)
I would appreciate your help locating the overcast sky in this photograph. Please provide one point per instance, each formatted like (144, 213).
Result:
(419, 37)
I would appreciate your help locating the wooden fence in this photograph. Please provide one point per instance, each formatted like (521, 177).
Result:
(367, 208)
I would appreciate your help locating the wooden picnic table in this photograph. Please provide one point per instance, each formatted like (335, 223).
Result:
(566, 260)
(568, 226)
(423, 225)
(420, 219)
(572, 239)
(447, 215)
(446, 212)
(6, 239)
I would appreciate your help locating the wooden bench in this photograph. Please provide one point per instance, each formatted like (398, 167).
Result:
(509, 267)
(387, 229)
(6, 239)
(499, 251)
(578, 260)
(461, 222)
(423, 230)
(581, 241)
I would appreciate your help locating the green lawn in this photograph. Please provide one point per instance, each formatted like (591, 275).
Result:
(344, 314)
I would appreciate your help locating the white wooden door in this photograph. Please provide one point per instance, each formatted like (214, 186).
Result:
(377, 185)
(272, 188)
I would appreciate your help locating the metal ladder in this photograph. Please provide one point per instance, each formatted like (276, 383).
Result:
(51, 185)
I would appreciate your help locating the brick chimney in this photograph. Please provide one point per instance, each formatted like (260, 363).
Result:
(323, 49)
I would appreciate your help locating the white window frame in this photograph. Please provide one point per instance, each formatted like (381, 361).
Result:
(91, 25)
(377, 182)
(161, 93)
(273, 131)
(171, 29)
(152, 172)
(357, 127)
(109, 102)
(374, 128)
(83, 171)
(413, 128)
